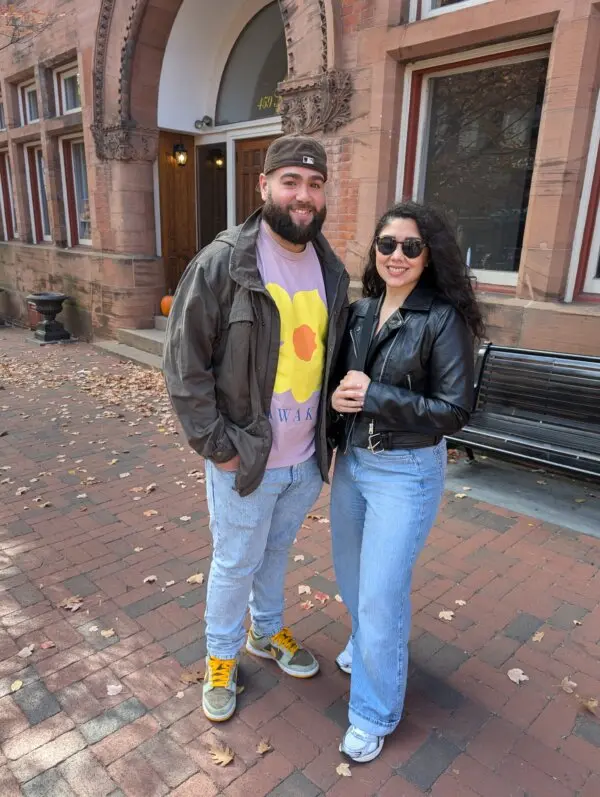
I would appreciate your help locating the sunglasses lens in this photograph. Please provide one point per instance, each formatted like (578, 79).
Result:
(387, 245)
(412, 248)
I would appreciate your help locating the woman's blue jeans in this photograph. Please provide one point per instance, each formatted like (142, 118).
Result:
(383, 506)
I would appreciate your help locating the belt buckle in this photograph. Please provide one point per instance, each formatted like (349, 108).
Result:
(375, 447)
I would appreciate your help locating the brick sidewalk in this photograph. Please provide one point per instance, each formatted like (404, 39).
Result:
(468, 731)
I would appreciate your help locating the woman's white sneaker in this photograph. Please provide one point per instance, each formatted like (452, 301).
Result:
(344, 660)
(361, 746)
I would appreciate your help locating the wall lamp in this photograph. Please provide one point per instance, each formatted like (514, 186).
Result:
(180, 154)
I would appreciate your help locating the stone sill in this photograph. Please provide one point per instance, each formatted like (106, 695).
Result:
(79, 251)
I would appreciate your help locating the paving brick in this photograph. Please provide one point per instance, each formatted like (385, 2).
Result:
(270, 705)
(137, 778)
(80, 585)
(426, 765)
(588, 728)
(123, 741)
(557, 766)
(523, 627)
(13, 720)
(436, 690)
(35, 737)
(79, 703)
(173, 765)
(199, 785)
(297, 785)
(86, 776)
(399, 787)
(190, 654)
(146, 605)
(113, 719)
(262, 778)
(36, 702)
(564, 616)
(523, 775)
(27, 595)
(446, 660)
(48, 756)
(48, 784)
(495, 741)
(338, 712)
(9, 786)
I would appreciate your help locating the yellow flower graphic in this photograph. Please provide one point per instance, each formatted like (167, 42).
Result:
(303, 332)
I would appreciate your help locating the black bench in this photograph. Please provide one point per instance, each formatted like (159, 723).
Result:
(536, 406)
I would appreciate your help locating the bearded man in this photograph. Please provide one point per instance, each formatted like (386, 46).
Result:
(253, 333)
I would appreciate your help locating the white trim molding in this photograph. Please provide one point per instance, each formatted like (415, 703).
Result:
(591, 283)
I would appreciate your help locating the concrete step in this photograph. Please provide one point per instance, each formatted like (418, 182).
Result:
(160, 322)
(148, 340)
(129, 353)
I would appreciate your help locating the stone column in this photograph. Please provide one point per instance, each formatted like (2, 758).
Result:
(571, 88)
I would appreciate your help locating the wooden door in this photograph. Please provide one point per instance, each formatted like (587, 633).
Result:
(250, 158)
(177, 185)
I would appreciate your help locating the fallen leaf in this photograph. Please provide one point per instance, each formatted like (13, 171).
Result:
(107, 633)
(197, 578)
(47, 645)
(263, 747)
(169, 583)
(82, 495)
(150, 579)
(577, 622)
(113, 461)
(447, 614)
(221, 755)
(538, 636)
(45, 505)
(138, 549)
(466, 489)
(298, 558)
(460, 602)
(92, 629)
(15, 686)
(124, 475)
(517, 675)
(72, 604)
(307, 605)
(25, 652)
(460, 495)
(150, 513)
(343, 769)
(542, 481)
(192, 677)
(567, 685)
(580, 500)
(185, 518)
(151, 488)
(22, 491)
(339, 599)
(304, 589)
(588, 704)
(322, 597)
(240, 689)
(159, 528)
(180, 695)
(114, 689)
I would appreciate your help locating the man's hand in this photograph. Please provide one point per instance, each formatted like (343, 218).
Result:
(350, 394)
(232, 465)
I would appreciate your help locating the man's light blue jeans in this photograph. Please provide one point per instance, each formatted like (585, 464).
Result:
(251, 542)
(382, 508)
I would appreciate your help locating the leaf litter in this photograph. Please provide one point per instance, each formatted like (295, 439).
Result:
(222, 755)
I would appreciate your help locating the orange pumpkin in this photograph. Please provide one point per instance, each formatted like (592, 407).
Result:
(165, 304)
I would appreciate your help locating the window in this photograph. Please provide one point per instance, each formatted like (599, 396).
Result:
(66, 87)
(429, 8)
(2, 119)
(7, 205)
(36, 192)
(473, 151)
(28, 103)
(257, 63)
(76, 192)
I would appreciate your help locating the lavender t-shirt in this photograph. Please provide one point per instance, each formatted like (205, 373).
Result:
(295, 282)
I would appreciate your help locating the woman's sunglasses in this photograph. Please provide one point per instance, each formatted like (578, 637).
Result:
(411, 247)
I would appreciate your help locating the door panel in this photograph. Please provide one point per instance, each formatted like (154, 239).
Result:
(250, 158)
(177, 186)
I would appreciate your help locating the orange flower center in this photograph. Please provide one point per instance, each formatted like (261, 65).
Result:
(305, 342)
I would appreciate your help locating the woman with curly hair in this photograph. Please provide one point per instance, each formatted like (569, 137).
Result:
(407, 365)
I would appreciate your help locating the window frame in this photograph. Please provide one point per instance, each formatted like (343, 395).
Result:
(24, 89)
(416, 105)
(582, 281)
(68, 183)
(2, 116)
(422, 9)
(36, 189)
(9, 218)
(60, 75)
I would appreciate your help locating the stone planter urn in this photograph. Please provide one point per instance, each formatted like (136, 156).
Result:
(49, 305)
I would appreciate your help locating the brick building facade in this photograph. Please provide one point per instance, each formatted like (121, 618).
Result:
(486, 107)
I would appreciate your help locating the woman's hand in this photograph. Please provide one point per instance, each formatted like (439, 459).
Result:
(349, 396)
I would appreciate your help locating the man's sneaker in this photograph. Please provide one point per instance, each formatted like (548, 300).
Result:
(220, 688)
(361, 746)
(344, 660)
(289, 655)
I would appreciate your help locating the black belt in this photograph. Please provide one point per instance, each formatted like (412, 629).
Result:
(388, 441)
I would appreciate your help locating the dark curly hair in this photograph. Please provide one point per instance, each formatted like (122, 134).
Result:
(447, 272)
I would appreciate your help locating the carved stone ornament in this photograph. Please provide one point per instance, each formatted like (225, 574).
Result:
(321, 103)
(119, 142)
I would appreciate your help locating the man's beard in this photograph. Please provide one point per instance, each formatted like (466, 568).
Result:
(280, 221)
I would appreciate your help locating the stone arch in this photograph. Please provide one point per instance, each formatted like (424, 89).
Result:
(131, 39)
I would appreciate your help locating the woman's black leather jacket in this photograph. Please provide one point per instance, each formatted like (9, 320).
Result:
(421, 369)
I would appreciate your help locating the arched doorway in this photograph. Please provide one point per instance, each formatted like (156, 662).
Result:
(232, 111)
